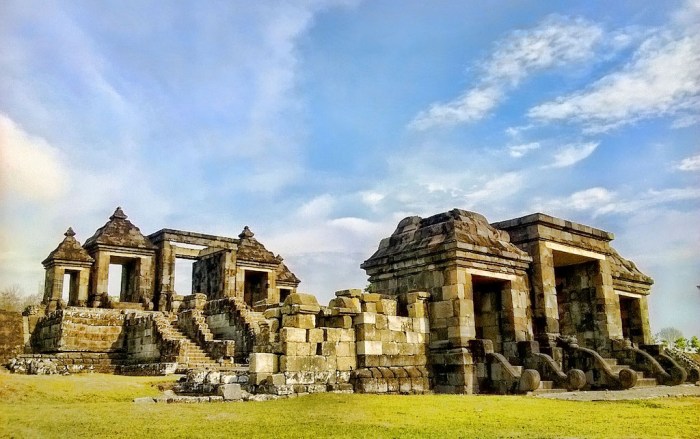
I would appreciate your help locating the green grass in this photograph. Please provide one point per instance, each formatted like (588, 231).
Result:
(100, 406)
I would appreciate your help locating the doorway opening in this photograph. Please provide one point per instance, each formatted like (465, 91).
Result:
(488, 309)
(255, 287)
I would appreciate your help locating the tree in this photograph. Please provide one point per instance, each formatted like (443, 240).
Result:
(695, 344)
(668, 336)
(680, 344)
(12, 299)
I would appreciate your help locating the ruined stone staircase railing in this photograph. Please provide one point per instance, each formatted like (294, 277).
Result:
(638, 359)
(242, 316)
(599, 373)
(680, 359)
(497, 374)
(193, 323)
(548, 369)
(170, 346)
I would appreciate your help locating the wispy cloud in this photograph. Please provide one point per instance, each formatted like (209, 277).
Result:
(555, 42)
(572, 153)
(601, 201)
(29, 166)
(518, 151)
(663, 79)
(691, 163)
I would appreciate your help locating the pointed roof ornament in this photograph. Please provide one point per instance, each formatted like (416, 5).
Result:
(246, 233)
(68, 251)
(118, 214)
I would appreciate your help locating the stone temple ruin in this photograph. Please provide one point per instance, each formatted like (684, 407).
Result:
(454, 305)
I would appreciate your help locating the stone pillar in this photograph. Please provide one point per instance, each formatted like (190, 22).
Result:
(165, 268)
(100, 273)
(608, 321)
(644, 317)
(546, 313)
(53, 287)
(144, 281)
(516, 326)
(452, 326)
(233, 277)
(273, 294)
(83, 285)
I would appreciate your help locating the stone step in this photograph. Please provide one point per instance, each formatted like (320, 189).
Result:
(611, 361)
(546, 385)
(646, 382)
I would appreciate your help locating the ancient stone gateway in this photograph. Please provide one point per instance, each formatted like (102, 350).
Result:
(454, 305)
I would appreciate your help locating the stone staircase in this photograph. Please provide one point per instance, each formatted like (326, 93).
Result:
(642, 381)
(192, 356)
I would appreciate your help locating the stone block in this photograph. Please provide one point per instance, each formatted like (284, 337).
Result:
(308, 300)
(292, 335)
(416, 310)
(316, 335)
(368, 347)
(370, 307)
(441, 310)
(365, 318)
(230, 392)
(387, 307)
(343, 305)
(305, 321)
(270, 313)
(421, 325)
(455, 291)
(354, 292)
(371, 297)
(347, 335)
(263, 363)
(332, 334)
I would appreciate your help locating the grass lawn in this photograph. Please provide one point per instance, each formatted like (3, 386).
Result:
(94, 405)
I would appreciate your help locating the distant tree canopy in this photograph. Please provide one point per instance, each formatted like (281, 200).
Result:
(12, 299)
(668, 336)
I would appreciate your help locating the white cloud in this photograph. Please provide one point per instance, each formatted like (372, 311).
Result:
(601, 201)
(572, 153)
(318, 207)
(555, 42)
(498, 187)
(663, 79)
(371, 198)
(29, 166)
(691, 163)
(518, 151)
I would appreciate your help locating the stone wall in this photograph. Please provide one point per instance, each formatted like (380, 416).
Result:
(357, 342)
(11, 335)
(208, 274)
(80, 330)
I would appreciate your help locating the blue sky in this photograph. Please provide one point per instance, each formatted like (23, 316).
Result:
(322, 124)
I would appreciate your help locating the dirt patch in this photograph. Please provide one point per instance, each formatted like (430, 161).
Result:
(626, 395)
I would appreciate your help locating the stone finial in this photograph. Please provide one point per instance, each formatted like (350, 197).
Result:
(279, 258)
(118, 214)
(69, 232)
(246, 233)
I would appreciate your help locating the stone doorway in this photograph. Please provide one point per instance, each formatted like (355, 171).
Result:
(69, 293)
(128, 283)
(575, 277)
(255, 287)
(631, 314)
(489, 319)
